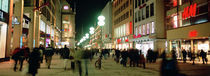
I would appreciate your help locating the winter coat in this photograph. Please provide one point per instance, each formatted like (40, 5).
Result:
(34, 61)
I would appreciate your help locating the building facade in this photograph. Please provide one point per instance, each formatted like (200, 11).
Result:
(149, 28)
(122, 24)
(187, 23)
(68, 25)
(107, 28)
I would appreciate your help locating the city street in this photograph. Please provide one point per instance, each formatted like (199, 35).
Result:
(109, 68)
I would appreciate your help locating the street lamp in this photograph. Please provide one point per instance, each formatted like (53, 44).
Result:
(101, 20)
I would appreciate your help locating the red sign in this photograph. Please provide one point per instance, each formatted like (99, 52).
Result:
(126, 40)
(193, 33)
(131, 28)
(174, 3)
(138, 36)
(189, 11)
(118, 40)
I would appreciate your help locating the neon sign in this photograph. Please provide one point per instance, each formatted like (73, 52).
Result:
(189, 11)
(138, 36)
(174, 3)
(193, 33)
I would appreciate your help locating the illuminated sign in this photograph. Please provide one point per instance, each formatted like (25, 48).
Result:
(193, 33)
(131, 28)
(174, 3)
(65, 7)
(138, 36)
(189, 11)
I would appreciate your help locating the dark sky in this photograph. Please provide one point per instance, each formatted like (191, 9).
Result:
(86, 15)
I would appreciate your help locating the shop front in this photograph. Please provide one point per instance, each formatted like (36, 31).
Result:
(193, 39)
(123, 43)
(4, 17)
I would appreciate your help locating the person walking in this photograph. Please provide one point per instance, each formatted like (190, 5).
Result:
(66, 56)
(184, 54)
(41, 50)
(18, 56)
(34, 61)
(49, 52)
(203, 55)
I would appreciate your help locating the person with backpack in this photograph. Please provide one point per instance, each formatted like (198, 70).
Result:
(49, 52)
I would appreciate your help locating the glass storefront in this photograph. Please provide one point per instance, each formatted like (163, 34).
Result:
(144, 46)
(3, 35)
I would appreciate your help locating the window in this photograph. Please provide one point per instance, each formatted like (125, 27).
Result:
(139, 15)
(27, 3)
(136, 33)
(147, 12)
(148, 31)
(144, 30)
(135, 16)
(136, 1)
(143, 13)
(152, 9)
(140, 30)
(139, 2)
(152, 25)
(142, 1)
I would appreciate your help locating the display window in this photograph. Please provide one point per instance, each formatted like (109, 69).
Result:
(3, 33)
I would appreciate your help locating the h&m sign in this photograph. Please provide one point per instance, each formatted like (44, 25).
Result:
(189, 11)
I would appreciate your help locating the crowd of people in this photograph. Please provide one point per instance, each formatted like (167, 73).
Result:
(192, 55)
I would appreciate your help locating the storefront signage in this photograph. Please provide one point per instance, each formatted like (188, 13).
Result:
(193, 33)
(138, 36)
(174, 3)
(118, 40)
(189, 11)
(131, 28)
(127, 40)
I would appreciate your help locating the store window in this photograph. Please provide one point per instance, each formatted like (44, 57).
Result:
(144, 30)
(142, 10)
(148, 28)
(136, 16)
(4, 5)
(152, 27)
(175, 22)
(3, 33)
(140, 30)
(139, 2)
(136, 32)
(136, 2)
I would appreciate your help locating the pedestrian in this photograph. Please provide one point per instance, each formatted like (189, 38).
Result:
(203, 55)
(168, 65)
(49, 52)
(18, 56)
(142, 59)
(149, 55)
(27, 53)
(66, 56)
(42, 51)
(124, 55)
(184, 54)
(34, 61)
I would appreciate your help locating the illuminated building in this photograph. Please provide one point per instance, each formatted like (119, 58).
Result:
(188, 25)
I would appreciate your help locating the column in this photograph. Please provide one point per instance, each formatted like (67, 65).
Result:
(18, 12)
(9, 31)
(32, 25)
(192, 46)
(37, 30)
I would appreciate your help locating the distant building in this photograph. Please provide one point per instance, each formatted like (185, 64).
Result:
(68, 25)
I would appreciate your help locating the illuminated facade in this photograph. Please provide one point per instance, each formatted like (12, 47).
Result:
(187, 25)
(122, 24)
(68, 25)
(149, 29)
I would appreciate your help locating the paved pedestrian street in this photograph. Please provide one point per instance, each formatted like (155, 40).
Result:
(109, 68)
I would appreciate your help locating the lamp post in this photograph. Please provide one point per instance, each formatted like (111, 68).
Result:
(101, 22)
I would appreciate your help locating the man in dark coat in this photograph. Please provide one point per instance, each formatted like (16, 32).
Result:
(34, 61)
(65, 54)
(49, 52)
(18, 56)
(184, 54)
(203, 55)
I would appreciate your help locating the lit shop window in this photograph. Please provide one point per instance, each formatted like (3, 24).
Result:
(175, 22)
(147, 28)
(136, 33)
(140, 31)
(152, 27)
(144, 30)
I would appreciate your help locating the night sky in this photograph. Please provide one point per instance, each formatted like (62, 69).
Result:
(87, 12)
